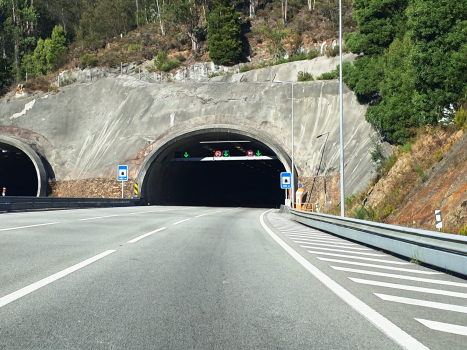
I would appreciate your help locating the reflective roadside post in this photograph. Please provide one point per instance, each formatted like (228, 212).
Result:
(322, 154)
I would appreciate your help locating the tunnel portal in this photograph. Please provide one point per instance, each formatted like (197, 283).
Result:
(244, 173)
(17, 172)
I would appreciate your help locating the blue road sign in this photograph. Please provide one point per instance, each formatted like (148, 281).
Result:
(286, 180)
(123, 173)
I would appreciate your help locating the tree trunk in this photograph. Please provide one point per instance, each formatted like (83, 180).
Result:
(309, 5)
(282, 2)
(137, 14)
(252, 9)
(160, 18)
(285, 12)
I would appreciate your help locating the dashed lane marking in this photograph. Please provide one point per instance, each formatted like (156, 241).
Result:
(43, 282)
(21, 227)
(311, 245)
(146, 235)
(343, 251)
(179, 222)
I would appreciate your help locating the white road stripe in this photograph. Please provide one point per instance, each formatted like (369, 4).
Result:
(443, 327)
(314, 236)
(344, 251)
(424, 303)
(382, 323)
(179, 222)
(145, 235)
(43, 282)
(402, 277)
(411, 288)
(311, 245)
(360, 258)
(381, 266)
(208, 214)
(324, 240)
(111, 216)
(21, 227)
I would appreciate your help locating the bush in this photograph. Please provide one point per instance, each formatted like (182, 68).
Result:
(88, 60)
(305, 76)
(461, 118)
(419, 170)
(389, 210)
(312, 54)
(405, 148)
(329, 76)
(244, 69)
(333, 52)
(438, 155)
(164, 64)
(463, 231)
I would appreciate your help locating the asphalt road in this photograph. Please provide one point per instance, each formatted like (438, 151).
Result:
(212, 278)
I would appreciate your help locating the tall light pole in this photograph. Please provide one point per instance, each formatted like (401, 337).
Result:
(322, 154)
(341, 104)
(292, 194)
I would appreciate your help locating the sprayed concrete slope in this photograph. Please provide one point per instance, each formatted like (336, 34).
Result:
(87, 129)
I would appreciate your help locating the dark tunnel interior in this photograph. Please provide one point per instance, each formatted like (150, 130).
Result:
(17, 172)
(189, 173)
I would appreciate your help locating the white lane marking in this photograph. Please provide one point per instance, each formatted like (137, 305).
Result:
(324, 240)
(208, 213)
(343, 251)
(386, 326)
(179, 222)
(313, 235)
(21, 227)
(43, 282)
(380, 266)
(145, 235)
(411, 288)
(424, 303)
(111, 216)
(443, 327)
(311, 245)
(360, 258)
(402, 277)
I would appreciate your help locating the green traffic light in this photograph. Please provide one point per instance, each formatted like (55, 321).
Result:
(226, 153)
(258, 153)
(186, 155)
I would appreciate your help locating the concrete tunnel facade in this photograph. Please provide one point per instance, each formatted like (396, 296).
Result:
(126, 121)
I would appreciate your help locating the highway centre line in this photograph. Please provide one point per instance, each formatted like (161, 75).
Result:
(18, 228)
(43, 282)
(381, 322)
(111, 216)
(146, 235)
(179, 222)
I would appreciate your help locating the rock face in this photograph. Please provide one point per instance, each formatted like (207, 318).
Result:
(85, 130)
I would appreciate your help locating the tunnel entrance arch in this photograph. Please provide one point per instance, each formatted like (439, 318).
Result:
(185, 171)
(22, 171)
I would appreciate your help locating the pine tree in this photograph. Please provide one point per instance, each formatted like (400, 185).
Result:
(224, 40)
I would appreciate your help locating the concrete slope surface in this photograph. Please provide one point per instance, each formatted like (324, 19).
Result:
(212, 278)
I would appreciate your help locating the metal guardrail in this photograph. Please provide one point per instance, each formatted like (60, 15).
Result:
(443, 250)
(31, 203)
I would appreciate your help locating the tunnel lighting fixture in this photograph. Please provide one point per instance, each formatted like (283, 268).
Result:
(4, 151)
(221, 141)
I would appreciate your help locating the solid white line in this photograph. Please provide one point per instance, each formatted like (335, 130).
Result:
(402, 277)
(18, 228)
(389, 328)
(145, 235)
(179, 222)
(411, 288)
(360, 258)
(424, 303)
(313, 236)
(111, 216)
(311, 245)
(380, 266)
(100, 217)
(43, 282)
(344, 251)
(443, 327)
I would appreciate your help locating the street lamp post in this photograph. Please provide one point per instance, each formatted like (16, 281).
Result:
(322, 154)
(341, 119)
(292, 194)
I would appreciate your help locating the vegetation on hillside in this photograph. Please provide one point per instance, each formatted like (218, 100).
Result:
(412, 68)
(107, 32)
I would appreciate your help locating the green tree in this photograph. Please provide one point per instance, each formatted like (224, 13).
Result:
(54, 48)
(275, 38)
(224, 41)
